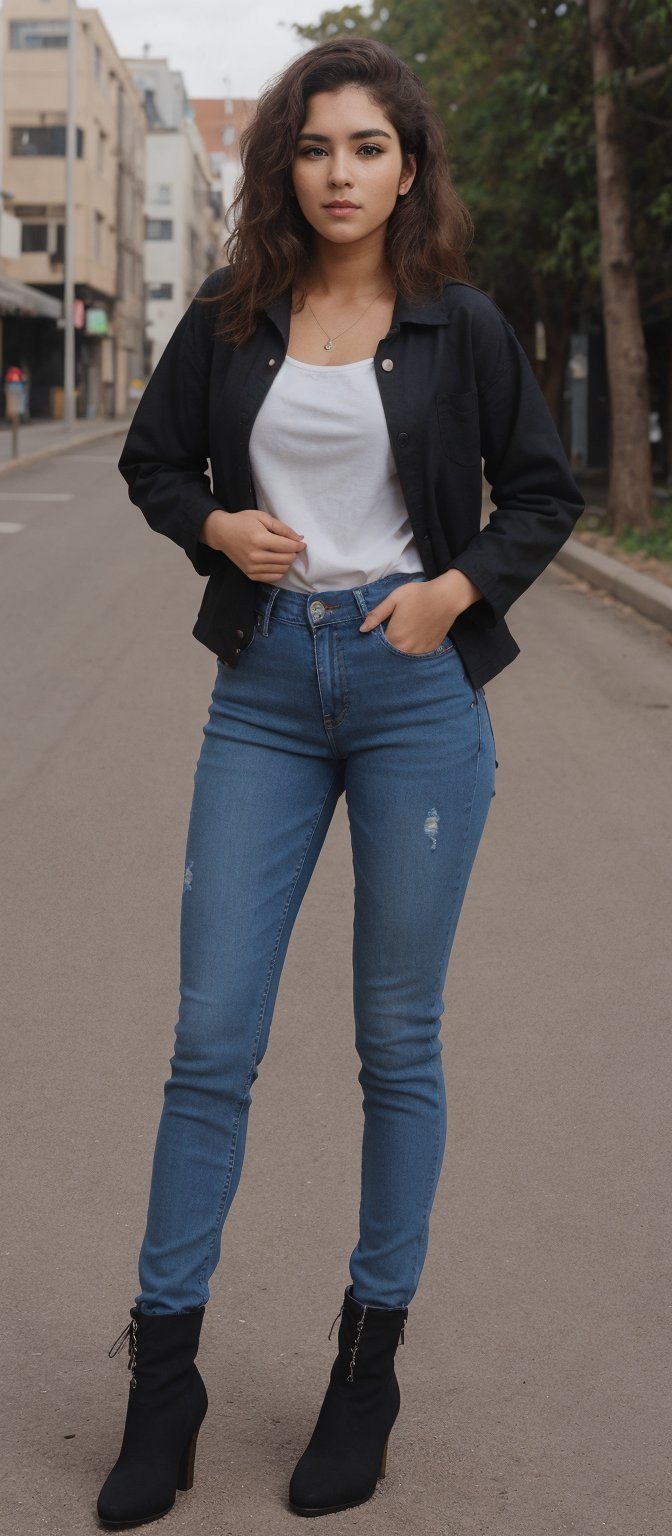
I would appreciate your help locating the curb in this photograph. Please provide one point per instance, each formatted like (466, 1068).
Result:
(113, 429)
(648, 596)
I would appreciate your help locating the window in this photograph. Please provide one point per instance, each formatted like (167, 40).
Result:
(159, 290)
(100, 156)
(98, 222)
(38, 34)
(158, 229)
(97, 62)
(59, 254)
(151, 110)
(44, 141)
(163, 193)
(229, 134)
(34, 237)
(30, 210)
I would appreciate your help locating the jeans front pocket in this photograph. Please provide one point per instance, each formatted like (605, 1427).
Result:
(441, 650)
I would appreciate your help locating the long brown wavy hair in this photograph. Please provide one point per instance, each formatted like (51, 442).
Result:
(428, 231)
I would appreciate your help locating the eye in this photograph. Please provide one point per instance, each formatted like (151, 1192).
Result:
(368, 150)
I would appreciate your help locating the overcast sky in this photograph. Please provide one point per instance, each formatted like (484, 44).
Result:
(218, 45)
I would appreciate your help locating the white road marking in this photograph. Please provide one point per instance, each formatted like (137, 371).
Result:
(36, 496)
(11, 527)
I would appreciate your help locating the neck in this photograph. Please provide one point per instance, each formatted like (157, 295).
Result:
(350, 271)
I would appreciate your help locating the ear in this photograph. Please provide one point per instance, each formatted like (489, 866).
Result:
(408, 175)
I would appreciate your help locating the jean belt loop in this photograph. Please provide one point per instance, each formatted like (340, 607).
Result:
(360, 601)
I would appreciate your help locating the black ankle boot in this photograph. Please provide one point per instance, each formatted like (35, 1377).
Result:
(347, 1451)
(167, 1403)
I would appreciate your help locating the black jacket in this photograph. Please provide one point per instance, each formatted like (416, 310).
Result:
(456, 386)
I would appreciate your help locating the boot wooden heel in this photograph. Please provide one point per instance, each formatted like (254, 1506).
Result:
(383, 1462)
(185, 1476)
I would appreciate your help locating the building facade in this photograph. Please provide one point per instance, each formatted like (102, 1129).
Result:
(221, 122)
(109, 195)
(183, 210)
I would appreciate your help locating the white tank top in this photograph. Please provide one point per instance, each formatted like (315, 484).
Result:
(322, 462)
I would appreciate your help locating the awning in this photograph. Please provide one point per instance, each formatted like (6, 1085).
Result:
(20, 298)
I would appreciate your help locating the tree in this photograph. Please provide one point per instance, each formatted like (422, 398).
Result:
(515, 85)
(630, 456)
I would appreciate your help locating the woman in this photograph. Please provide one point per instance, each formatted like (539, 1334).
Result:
(344, 378)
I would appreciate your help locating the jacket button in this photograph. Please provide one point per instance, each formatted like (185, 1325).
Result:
(387, 364)
(271, 362)
(239, 634)
(402, 437)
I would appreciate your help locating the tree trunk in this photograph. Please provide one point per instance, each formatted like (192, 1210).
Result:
(629, 498)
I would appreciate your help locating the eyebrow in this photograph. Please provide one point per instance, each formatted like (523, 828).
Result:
(361, 133)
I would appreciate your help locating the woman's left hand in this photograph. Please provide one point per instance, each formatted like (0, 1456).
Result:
(420, 617)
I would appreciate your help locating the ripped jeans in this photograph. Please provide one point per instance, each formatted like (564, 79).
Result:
(315, 709)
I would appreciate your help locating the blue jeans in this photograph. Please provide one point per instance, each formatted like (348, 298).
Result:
(315, 709)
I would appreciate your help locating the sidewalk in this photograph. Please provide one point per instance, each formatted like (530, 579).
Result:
(641, 591)
(645, 593)
(40, 439)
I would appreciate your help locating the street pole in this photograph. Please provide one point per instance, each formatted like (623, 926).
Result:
(2, 123)
(2, 166)
(69, 254)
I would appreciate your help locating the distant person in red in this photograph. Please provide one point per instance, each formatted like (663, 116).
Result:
(18, 375)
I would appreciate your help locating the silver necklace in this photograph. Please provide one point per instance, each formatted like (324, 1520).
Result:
(328, 345)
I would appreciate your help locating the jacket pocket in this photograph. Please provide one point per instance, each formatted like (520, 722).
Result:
(459, 426)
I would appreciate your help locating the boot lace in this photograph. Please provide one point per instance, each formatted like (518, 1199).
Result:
(351, 1375)
(338, 1314)
(130, 1332)
(360, 1325)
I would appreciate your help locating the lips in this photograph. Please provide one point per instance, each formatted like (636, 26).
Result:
(338, 207)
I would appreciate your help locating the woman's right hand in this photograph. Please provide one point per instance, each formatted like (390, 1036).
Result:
(259, 543)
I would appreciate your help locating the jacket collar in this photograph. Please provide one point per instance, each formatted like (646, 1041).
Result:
(406, 311)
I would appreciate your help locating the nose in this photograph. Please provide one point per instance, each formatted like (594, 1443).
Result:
(340, 174)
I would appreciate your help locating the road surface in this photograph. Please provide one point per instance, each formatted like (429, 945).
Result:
(536, 1375)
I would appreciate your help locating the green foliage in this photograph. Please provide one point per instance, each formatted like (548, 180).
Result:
(513, 84)
(659, 541)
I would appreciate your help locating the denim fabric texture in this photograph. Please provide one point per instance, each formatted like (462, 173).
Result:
(315, 709)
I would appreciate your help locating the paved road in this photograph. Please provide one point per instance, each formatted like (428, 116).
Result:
(536, 1371)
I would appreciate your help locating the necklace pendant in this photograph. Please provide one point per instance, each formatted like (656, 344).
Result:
(328, 346)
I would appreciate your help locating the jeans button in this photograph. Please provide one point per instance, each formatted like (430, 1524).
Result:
(317, 611)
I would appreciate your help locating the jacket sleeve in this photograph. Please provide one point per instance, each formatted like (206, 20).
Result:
(536, 499)
(165, 455)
